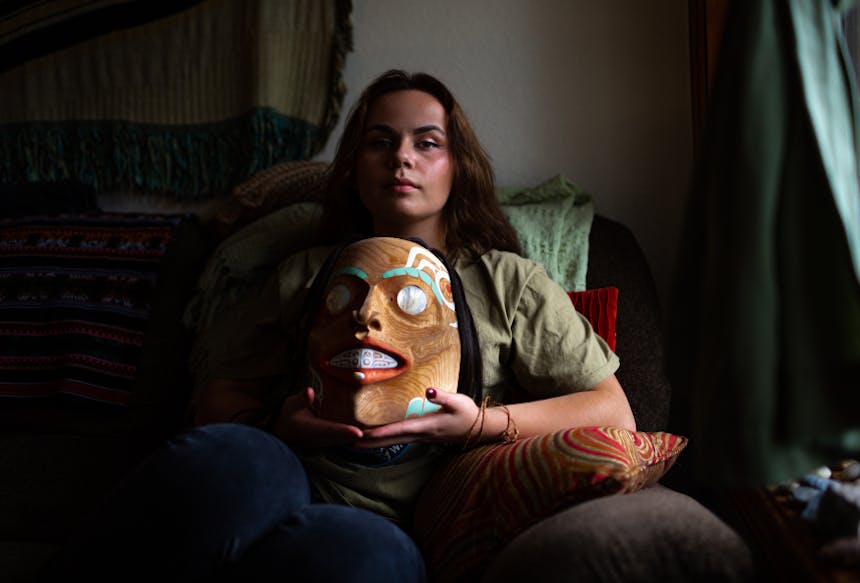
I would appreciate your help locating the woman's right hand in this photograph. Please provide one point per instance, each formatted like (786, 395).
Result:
(298, 424)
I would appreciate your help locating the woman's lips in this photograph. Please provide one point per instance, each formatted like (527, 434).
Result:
(364, 366)
(403, 185)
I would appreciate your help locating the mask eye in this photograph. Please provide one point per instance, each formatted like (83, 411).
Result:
(337, 299)
(412, 299)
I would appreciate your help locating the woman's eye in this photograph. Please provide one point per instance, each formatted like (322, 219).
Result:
(412, 299)
(381, 144)
(337, 298)
(427, 145)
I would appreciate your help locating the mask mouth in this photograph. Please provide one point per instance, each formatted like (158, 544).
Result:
(364, 365)
(363, 358)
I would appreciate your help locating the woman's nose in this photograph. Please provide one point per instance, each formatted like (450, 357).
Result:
(403, 157)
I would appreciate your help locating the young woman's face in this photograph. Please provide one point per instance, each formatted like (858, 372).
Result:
(403, 168)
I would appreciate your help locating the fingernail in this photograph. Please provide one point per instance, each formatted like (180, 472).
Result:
(431, 393)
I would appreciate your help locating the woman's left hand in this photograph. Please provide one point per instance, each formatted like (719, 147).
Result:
(451, 423)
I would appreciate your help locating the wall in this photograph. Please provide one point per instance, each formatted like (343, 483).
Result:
(597, 91)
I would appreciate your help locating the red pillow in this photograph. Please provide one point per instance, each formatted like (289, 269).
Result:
(599, 306)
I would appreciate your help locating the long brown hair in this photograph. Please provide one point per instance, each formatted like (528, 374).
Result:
(475, 221)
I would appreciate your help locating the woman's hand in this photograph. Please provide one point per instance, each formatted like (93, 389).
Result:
(451, 423)
(298, 424)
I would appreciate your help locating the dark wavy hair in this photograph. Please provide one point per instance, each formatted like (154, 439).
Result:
(475, 221)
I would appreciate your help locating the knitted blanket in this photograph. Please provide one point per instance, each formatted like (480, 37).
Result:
(553, 221)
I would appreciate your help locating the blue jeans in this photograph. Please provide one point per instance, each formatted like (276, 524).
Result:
(230, 502)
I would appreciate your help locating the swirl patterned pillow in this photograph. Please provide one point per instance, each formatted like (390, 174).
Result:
(479, 500)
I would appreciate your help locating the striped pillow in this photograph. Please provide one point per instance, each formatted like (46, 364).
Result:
(481, 499)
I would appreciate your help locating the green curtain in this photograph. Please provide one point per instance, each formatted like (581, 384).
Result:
(764, 352)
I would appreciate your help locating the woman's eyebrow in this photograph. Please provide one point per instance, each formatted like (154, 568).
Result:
(419, 130)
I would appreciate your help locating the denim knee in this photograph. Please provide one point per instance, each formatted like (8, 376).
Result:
(239, 473)
(192, 507)
(226, 460)
(334, 543)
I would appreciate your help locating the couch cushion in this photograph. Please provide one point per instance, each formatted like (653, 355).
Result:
(655, 534)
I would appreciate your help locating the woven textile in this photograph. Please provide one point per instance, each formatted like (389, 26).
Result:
(187, 105)
(30, 29)
(76, 295)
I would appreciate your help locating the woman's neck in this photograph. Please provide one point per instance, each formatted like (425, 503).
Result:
(432, 235)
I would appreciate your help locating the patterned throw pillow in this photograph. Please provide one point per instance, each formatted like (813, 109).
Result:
(483, 498)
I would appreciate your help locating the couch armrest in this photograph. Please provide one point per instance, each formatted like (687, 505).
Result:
(616, 259)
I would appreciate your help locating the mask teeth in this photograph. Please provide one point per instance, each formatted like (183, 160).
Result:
(363, 358)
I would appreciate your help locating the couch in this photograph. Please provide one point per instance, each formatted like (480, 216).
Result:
(93, 355)
(60, 453)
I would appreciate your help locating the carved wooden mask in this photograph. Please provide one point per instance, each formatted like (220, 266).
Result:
(385, 332)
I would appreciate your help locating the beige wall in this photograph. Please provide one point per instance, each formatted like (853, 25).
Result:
(596, 90)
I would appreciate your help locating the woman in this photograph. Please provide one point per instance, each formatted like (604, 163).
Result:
(309, 503)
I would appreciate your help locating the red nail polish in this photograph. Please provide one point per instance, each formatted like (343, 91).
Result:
(431, 393)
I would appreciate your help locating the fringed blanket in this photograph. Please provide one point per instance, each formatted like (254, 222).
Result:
(186, 105)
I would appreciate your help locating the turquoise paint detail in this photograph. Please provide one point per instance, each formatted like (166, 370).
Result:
(420, 407)
(350, 271)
